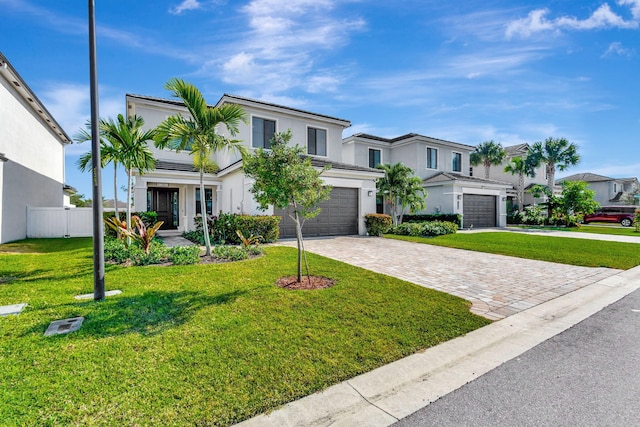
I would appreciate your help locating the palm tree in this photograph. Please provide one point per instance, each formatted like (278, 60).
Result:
(488, 153)
(556, 153)
(133, 151)
(522, 167)
(198, 134)
(400, 188)
(108, 154)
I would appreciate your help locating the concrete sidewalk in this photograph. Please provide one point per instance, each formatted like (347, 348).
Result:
(394, 391)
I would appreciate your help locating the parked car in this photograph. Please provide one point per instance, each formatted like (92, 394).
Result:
(624, 215)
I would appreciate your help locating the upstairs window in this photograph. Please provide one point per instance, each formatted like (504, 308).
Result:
(456, 162)
(263, 131)
(375, 157)
(317, 142)
(432, 158)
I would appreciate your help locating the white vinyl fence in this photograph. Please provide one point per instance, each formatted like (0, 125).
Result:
(59, 222)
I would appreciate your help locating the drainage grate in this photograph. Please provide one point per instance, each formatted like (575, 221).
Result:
(64, 326)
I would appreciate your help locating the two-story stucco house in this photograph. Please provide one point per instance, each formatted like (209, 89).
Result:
(609, 191)
(31, 155)
(497, 173)
(445, 170)
(172, 189)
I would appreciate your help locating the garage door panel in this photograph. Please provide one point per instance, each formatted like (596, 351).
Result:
(338, 216)
(479, 210)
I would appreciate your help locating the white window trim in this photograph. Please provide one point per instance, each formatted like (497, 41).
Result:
(307, 139)
(452, 157)
(375, 148)
(426, 160)
(264, 117)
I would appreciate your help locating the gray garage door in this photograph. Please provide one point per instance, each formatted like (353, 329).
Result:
(479, 211)
(338, 217)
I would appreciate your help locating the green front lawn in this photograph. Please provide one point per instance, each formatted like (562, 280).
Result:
(197, 345)
(583, 252)
(595, 229)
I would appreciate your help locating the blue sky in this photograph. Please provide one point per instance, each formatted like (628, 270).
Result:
(466, 71)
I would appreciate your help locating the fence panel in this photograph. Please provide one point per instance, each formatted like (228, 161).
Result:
(59, 222)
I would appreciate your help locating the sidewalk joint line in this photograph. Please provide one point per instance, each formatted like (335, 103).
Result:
(371, 403)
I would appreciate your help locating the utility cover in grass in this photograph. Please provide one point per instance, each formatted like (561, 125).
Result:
(106, 294)
(64, 326)
(6, 310)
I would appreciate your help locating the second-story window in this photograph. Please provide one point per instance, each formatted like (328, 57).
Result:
(317, 142)
(432, 158)
(374, 157)
(262, 132)
(456, 162)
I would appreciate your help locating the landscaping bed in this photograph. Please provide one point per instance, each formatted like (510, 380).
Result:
(199, 344)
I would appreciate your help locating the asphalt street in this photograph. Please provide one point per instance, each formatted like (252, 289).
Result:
(589, 375)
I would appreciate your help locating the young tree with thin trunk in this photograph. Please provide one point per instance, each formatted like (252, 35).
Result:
(287, 180)
(488, 153)
(198, 135)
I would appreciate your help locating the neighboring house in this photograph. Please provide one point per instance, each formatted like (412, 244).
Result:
(445, 170)
(172, 188)
(609, 191)
(31, 155)
(496, 172)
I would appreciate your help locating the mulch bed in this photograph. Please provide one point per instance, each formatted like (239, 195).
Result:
(317, 282)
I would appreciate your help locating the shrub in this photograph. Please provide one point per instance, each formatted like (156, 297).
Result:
(515, 217)
(377, 224)
(184, 255)
(158, 253)
(533, 215)
(425, 229)
(455, 218)
(148, 219)
(636, 219)
(194, 236)
(230, 253)
(115, 250)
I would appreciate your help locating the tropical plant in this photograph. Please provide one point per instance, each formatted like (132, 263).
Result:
(248, 241)
(197, 134)
(377, 224)
(139, 233)
(488, 153)
(575, 202)
(523, 167)
(555, 153)
(286, 180)
(401, 188)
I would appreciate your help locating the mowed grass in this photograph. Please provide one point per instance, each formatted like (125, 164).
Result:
(582, 252)
(197, 345)
(594, 229)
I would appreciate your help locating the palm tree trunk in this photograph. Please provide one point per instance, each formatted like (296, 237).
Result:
(203, 212)
(128, 204)
(487, 170)
(551, 172)
(115, 189)
(521, 192)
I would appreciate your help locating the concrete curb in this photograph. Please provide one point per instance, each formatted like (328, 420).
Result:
(394, 391)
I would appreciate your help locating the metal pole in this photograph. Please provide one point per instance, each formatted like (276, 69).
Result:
(98, 231)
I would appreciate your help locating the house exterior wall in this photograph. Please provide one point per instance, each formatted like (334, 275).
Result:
(604, 191)
(32, 173)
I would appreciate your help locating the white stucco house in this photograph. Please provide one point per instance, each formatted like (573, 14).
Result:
(445, 170)
(31, 155)
(609, 191)
(172, 188)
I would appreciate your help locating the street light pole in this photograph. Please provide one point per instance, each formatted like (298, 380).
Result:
(98, 231)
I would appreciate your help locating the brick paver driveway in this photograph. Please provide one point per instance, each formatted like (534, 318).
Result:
(497, 286)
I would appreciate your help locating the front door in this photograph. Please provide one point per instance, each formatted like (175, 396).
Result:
(164, 201)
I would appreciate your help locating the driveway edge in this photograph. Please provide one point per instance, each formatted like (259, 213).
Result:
(394, 391)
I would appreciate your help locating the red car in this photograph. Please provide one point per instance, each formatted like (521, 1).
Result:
(623, 215)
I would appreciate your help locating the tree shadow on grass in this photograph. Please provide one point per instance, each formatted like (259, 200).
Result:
(148, 314)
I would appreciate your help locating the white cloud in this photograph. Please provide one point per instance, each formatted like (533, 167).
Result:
(185, 5)
(603, 17)
(616, 48)
(286, 41)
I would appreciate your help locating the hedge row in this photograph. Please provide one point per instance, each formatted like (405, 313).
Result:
(455, 218)
(222, 229)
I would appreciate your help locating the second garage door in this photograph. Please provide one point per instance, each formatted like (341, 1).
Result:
(338, 217)
(479, 211)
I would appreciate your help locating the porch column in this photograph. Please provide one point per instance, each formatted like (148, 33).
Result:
(218, 199)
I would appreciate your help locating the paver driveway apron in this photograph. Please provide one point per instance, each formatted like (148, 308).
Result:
(497, 286)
